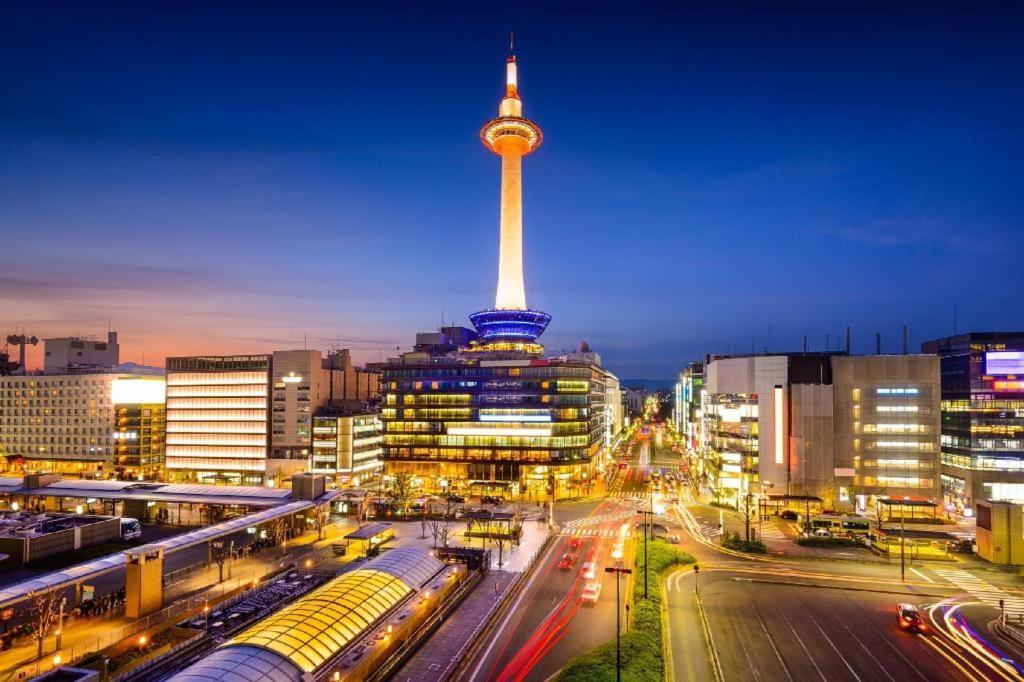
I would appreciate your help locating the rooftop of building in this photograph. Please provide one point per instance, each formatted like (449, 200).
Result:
(25, 524)
(302, 638)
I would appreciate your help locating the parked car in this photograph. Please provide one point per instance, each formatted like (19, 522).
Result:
(789, 515)
(910, 618)
(965, 546)
(496, 500)
(457, 499)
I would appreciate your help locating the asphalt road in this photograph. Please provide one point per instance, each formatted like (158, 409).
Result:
(548, 625)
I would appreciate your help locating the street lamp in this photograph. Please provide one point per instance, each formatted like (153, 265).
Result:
(645, 515)
(618, 571)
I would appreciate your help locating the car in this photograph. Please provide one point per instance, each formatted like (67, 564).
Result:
(575, 542)
(457, 499)
(591, 593)
(910, 618)
(567, 562)
(590, 570)
(496, 500)
(820, 533)
(789, 515)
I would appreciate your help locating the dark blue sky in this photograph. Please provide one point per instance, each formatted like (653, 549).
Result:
(224, 177)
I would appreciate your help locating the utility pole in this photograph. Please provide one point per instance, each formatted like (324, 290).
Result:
(618, 571)
(903, 546)
(645, 514)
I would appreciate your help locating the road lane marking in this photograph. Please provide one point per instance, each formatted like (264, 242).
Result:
(804, 647)
(832, 644)
(764, 628)
(919, 573)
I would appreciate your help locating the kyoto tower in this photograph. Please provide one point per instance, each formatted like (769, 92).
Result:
(510, 325)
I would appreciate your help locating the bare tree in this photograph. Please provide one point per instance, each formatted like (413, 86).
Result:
(424, 518)
(515, 530)
(444, 531)
(279, 532)
(500, 540)
(321, 519)
(45, 612)
(220, 555)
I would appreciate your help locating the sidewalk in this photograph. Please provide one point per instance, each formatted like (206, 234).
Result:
(440, 653)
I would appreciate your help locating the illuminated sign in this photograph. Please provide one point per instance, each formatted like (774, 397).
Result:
(780, 426)
(292, 379)
(497, 431)
(138, 391)
(1004, 363)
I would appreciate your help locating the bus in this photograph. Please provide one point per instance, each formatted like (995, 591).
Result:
(130, 528)
(843, 525)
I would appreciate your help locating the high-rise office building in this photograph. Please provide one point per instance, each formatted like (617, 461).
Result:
(347, 446)
(249, 419)
(218, 418)
(982, 417)
(139, 427)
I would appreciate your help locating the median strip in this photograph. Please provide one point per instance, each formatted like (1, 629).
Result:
(643, 654)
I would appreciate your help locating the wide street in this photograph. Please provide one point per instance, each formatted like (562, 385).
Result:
(768, 618)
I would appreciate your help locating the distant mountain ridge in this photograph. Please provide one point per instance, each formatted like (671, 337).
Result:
(649, 384)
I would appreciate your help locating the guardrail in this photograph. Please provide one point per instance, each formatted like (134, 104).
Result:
(488, 619)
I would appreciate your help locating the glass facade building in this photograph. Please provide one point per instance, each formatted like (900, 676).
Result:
(461, 422)
(982, 416)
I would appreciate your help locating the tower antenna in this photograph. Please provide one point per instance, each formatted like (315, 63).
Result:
(511, 42)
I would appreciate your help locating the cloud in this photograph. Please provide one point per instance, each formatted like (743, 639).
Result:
(920, 232)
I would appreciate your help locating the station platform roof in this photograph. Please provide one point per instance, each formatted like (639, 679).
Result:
(299, 640)
(91, 569)
(250, 496)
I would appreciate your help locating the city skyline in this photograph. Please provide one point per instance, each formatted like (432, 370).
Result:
(244, 183)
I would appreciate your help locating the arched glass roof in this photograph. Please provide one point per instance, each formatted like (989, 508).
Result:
(315, 628)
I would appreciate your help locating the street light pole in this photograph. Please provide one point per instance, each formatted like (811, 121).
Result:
(903, 546)
(645, 514)
(618, 571)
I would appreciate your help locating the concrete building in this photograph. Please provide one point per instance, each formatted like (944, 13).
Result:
(139, 429)
(58, 423)
(844, 429)
(982, 417)
(887, 427)
(68, 354)
(218, 418)
(347, 446)
(248, 420)
(1000, 531)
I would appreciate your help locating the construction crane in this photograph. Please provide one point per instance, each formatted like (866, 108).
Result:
(21, 340)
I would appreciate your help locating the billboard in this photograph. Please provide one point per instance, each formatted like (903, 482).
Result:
(1001, 363)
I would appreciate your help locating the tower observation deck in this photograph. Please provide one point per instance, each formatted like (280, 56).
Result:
(511, 136)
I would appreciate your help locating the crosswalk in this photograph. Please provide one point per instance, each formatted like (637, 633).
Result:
(599, 519)
(589, 532)
(984, 591)
(632, 494)
(770, 532)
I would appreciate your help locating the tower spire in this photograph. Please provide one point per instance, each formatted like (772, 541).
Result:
(511, 136)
